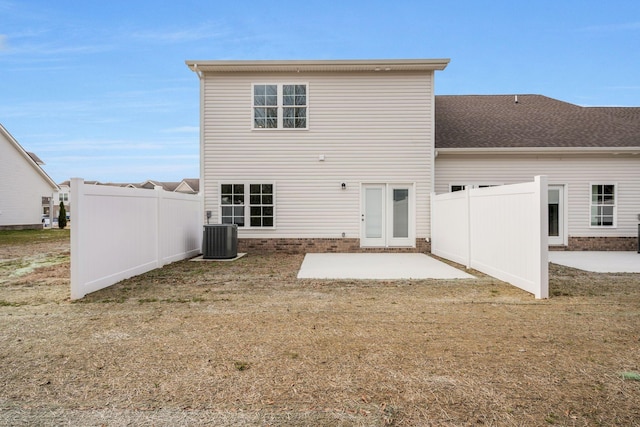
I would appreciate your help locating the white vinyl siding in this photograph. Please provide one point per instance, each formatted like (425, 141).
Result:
(371, 127)
(22, 188)
(576, 171)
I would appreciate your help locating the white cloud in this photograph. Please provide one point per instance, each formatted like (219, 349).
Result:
(102, 158)
(182, 129)
(624, 87)
(626, 26)
(200, 32)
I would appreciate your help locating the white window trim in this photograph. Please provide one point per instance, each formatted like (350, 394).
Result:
(247, 204)
(615, 204)
(279, 106)
(474, 185)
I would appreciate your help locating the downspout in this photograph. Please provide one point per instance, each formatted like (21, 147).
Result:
(432, 143)
(202, 181)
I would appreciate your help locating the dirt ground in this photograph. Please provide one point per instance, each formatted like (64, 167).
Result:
(246, 343)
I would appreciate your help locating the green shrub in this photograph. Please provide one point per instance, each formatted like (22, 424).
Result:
(62, 216)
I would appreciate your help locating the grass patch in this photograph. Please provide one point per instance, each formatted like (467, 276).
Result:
(634, 376)
(241, 366)
(27, 237)
(4, 303)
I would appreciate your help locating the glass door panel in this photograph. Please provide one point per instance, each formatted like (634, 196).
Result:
(373, 213)
(556, 215)
(401, 212)
(373, 216)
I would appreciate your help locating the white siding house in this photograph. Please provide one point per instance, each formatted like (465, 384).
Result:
(23, 184)
(343, 155)
(331, 155)
(591, 157)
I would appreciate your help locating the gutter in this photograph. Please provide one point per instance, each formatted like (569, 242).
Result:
(540, 150)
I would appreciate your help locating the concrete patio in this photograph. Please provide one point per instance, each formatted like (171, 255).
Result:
(381, 266)
(598, 262)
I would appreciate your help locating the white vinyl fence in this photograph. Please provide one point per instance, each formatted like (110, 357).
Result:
(117, 233)
(501, 231)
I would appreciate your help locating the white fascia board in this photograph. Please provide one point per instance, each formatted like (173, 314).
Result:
(356, 65)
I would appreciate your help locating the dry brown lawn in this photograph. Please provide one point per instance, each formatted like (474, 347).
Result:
(246, 343)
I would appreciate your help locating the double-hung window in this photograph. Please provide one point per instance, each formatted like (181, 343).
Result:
(280, 106)
(250, 204)
(603, 205)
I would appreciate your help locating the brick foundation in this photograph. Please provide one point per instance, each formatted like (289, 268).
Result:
(599, 244)
(318, 245)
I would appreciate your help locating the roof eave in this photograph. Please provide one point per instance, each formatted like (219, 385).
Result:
(539, 150)
(342, 65)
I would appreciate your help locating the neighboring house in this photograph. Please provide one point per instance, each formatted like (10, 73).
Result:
(319, 155)
(590, 155)
(64, 196)
(343, 155)
(167, 186)
(188, 186)
(23, 185)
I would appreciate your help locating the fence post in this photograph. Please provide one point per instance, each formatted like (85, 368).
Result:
(543, 241)
(432, 203)
(77, 256)
(159, 232)
(467, 202)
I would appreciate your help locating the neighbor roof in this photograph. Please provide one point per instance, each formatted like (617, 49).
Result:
(35, 158)
(531, 121)
(193, 183)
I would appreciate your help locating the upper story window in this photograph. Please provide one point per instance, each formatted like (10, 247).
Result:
(280, 106)
(603, 205)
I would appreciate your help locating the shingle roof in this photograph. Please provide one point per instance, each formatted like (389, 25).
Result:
(194, 183)
(498, 121)
(625, 113)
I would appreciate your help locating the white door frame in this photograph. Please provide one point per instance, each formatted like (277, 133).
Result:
(381, 232)
(563, 216)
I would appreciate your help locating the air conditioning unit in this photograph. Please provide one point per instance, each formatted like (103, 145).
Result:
(220, 241)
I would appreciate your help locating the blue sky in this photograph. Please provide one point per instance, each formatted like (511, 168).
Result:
(99, 90)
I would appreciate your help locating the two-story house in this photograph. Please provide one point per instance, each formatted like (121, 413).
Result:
(343, 155)
(319, 155)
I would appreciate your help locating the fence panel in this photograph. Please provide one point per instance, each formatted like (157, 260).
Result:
(506, 235)
(180, 226)
(117, 233)
(450, 226)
